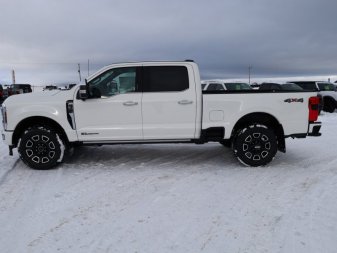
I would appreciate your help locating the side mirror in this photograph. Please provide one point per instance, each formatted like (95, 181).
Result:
(82, 93)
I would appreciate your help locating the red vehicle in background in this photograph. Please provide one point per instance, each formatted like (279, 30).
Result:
(1, 93)
(14, 89)
(19, 89)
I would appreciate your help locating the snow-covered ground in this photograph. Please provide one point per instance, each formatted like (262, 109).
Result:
(174, 198)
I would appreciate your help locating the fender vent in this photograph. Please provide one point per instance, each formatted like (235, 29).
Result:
(70, 113)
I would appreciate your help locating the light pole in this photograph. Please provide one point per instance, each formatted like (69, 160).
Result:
(249, 70)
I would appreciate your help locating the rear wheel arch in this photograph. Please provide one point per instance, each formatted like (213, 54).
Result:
(264, 119)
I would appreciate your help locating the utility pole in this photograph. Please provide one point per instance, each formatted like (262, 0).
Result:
(13, 76)
(249, 70)
(88, 67)
(79, 71)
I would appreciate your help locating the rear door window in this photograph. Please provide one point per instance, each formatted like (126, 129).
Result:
(165, 78)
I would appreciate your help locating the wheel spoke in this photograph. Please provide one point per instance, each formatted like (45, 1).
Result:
(264, 154)
(51, 154)
(51, 145)
(256, 135)
(29, 144)
(256, 158)
(36, 159)
(35, 138)
(45, 159)
(264, 138)
(248, 138)
(44, 138)
(248, 155)
(29, 152)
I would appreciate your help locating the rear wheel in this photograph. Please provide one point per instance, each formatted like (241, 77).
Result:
(41, 148)
(329, 105)
(255, 145)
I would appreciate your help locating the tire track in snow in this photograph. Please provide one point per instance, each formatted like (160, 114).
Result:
(5, 175)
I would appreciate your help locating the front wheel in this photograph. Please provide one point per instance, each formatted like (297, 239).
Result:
(41, 148)
(255, 145)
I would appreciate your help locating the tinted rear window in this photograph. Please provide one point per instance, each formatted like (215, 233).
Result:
(237, 86)
(307, 85)
(270, 86)
(165, 78)
(215, 86)
(290, 86)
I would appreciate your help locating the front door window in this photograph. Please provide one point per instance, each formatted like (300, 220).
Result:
(112, 82)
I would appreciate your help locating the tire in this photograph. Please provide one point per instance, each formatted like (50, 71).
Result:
(329, 105)
(41, 148)
(255, 145)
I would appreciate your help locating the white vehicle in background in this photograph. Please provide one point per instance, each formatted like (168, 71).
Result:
(230, 86)
(325, 90)
(155, 102)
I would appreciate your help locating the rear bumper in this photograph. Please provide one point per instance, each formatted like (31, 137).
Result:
(314, 128)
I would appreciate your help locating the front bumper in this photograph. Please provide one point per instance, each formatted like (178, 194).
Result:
(7, 137)
(314, 128)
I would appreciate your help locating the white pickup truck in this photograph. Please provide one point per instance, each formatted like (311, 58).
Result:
(155, 102)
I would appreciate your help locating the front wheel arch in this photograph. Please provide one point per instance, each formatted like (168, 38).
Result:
(37, 121)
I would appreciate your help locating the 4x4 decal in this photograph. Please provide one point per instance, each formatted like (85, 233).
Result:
(294, 100)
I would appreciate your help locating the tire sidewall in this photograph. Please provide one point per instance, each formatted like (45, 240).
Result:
(53, 137)
(249, 131)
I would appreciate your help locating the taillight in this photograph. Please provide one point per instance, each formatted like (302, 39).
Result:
(313, 108)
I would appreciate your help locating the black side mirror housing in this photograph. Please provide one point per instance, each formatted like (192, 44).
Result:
(82, 93)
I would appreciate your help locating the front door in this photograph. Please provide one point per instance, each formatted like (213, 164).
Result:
(113, 110)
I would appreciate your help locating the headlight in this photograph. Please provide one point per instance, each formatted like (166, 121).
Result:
(4, 116)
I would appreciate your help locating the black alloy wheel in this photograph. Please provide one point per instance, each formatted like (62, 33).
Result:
(255, 145)
(41, 148)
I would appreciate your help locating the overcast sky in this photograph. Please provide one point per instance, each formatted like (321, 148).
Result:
(44, 40)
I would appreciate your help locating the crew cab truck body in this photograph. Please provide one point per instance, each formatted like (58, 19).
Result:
(155, 102)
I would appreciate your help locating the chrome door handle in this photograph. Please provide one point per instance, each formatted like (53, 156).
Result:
(185, 102)
(130, 103)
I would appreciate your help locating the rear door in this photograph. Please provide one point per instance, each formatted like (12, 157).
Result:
(168, 102)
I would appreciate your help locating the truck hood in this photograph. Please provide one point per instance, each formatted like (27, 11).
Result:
(37, 97)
